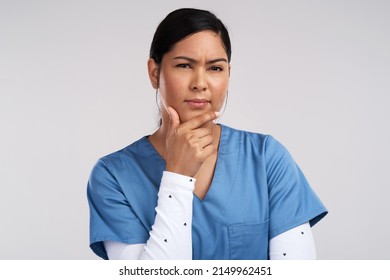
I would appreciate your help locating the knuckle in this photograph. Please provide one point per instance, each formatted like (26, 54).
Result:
(209, 116)
(179, 130)
(189, 137)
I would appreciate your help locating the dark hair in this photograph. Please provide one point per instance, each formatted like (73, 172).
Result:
(181, 23)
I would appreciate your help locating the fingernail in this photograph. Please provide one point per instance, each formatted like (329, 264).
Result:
(217, 114)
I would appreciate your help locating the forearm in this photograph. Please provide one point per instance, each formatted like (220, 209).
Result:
(170, 237)
(294, 244)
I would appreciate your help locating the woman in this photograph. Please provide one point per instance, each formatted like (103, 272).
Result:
(195, 189)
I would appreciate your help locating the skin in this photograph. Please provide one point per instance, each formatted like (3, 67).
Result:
(193, 81)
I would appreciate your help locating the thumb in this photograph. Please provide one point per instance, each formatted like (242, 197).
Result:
(174, 120)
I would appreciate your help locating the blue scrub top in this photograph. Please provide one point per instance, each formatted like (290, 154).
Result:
(257, 192)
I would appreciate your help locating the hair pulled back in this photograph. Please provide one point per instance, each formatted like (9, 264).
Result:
(181, 23)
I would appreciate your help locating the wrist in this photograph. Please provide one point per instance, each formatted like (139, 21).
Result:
(178, 170)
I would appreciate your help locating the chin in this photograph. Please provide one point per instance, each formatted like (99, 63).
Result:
(187, 115)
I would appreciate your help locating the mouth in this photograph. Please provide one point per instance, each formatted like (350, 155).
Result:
(197, 103)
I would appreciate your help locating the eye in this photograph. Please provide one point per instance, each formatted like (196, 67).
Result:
(183, 65)
(216, 68)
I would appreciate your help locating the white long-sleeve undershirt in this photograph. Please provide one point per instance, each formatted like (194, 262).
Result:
(170, 237)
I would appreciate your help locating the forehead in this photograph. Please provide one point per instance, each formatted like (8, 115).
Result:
(204, 43)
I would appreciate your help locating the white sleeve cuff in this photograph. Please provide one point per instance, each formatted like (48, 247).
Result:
(177, 182)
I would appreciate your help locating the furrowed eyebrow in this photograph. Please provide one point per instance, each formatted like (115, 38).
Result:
(217, 60)
(189, 59)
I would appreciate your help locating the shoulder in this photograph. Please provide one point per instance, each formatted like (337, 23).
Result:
(249, 138)
(115, 161)
(132, 151)
(110, 171)
(254, 146)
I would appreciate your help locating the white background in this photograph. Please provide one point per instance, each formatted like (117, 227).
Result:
(74, 87)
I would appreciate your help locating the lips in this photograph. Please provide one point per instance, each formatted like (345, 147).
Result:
(196, 102)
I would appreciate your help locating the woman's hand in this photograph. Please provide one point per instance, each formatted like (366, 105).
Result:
(188, 144)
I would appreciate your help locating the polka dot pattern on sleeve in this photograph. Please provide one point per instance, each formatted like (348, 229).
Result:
(170, 237)
(294, 244)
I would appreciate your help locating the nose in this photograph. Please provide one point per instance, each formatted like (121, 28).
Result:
(199, 81)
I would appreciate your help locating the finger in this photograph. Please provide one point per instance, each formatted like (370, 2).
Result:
(174, 120)
(208, 151)
(205, 141)
(201, 132)
(200, 120)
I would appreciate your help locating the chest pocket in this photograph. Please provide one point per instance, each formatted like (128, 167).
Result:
(248, 241)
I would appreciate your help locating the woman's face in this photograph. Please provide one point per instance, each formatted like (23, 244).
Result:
(194, 75)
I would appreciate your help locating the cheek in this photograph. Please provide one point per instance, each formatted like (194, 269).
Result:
(170, 87)
(220, 88)
(219, 82)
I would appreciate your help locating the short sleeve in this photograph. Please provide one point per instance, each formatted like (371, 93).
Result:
(111, 216)
(292, 200)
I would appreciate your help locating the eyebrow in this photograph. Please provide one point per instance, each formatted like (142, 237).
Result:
(195, 61)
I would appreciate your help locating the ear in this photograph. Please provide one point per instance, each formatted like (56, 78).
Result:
(229, 69)
(153, 70)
